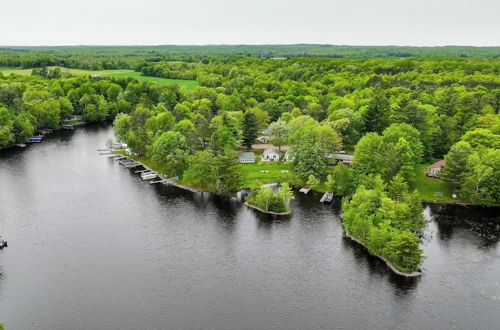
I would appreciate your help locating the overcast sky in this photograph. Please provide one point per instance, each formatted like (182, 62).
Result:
(187, 22)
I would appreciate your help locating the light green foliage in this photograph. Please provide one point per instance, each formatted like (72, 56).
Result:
(342, 180)
(388, 227)
(481, 181)
(121, 126)
(279, 133)
(222, 139)
(267, 199)
(456, 163)
(6, 126)
(201, 172)
(312, 181)
(482, 137)
(170, 148)
(369, 157)
(393, 133)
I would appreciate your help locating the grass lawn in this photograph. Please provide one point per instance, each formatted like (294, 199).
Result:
(252, 172)
(188, 84)
(428, 186)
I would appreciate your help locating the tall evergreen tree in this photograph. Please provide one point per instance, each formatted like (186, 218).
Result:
(250, 129)
(456, 163)
(376, 114)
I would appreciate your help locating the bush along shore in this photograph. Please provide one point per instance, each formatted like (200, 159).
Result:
(387, 220)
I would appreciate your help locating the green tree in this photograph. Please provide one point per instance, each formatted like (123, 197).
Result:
(222, 139)
(369, 155)
(404, 252)
(250, 129)
(201, 172)
(227, 173)
(375, 116)
(121, 126)
(170, 149)
(342, 180)
(456, 163)
(279, 133)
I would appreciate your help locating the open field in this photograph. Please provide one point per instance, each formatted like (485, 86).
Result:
(252, 173)
(188, 84)
(428, 186)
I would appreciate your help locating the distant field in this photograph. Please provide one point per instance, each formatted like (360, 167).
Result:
(189, 84)
(428, 186)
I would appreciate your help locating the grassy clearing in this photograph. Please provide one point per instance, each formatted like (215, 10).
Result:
(252, 173)
(428, 186)
(188, 84)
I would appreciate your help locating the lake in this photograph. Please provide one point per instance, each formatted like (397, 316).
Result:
(91, 246)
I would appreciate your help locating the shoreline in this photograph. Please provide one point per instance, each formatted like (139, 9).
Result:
(459, 204)
(266, 212)
(389, 265)
(16, 145)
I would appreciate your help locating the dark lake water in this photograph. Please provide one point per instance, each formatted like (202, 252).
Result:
(91, 246)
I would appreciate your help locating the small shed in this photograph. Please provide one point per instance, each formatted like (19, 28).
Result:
(436, 168)
(289, 156)
(271, 154)
(246, 157)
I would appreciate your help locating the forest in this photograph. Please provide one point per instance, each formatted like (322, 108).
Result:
(393, 114)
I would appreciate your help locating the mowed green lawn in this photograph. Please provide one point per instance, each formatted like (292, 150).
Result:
(427, 186)
(188, 84)
(253, 172)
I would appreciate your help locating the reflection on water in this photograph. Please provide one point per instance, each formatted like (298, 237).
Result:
(91, 246)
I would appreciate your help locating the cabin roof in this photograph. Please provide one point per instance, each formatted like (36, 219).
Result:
(246, 155)
(271, 150)
(439, 163)
(343, 157)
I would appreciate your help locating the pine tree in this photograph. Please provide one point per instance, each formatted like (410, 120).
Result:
(375, 116)
(456, 163)
(250, 129)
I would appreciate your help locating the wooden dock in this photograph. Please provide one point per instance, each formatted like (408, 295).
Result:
(132, 165)
(158, 181)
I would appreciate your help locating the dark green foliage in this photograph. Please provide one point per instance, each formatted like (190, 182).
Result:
(250, 129)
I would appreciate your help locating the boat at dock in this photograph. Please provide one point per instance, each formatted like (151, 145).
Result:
(150, 176)
(327, 198)
(34, 139)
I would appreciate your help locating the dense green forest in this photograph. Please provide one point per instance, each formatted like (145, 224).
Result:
(393, 114)
(128, 57)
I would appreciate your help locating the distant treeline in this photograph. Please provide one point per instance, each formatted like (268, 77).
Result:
(128, 57)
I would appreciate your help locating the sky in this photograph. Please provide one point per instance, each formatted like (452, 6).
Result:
(201, 22)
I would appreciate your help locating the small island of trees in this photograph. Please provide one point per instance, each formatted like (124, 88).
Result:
(268, 200)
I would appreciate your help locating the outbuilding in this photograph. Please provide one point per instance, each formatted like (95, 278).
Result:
(246, 157)
(289, 156)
